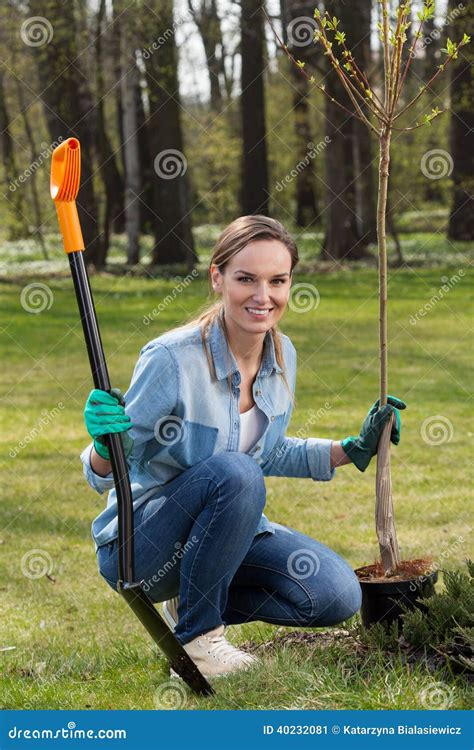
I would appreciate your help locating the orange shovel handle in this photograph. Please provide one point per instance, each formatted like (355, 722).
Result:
(64, 186)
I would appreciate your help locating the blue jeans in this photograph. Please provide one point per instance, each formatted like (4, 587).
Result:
(200, 544)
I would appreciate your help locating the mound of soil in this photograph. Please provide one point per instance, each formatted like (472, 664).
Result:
(407, 570)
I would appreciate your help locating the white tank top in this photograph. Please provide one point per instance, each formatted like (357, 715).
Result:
(252, 423)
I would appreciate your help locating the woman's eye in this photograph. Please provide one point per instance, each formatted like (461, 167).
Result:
(243, 278)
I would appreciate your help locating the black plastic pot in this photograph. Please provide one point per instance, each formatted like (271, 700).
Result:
(381, 599)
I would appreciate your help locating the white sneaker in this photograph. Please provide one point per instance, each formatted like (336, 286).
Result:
(215, 656)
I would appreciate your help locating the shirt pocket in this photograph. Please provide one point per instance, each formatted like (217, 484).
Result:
(197, 443)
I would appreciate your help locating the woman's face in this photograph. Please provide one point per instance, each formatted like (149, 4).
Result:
(255, 279)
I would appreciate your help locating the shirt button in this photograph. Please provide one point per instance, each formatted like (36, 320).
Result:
(257, 393)
(235, 424)
(272, 417)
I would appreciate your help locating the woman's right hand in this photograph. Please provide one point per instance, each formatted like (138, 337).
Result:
(105, 413)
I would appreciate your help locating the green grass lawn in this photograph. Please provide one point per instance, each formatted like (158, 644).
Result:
(76, 645)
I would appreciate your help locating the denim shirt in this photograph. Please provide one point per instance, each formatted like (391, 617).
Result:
(181, 415)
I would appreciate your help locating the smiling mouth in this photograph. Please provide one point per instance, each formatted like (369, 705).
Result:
(259, 312)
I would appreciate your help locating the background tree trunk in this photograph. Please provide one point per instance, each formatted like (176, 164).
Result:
(129, 81)
(306, 205)
(18, 225)
(461, 220)
(172, 207)
(254, 195)
(346, 237)
(63, 93)
(206, 18)
(113, 180)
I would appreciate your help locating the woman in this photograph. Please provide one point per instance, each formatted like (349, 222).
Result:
(203, 422)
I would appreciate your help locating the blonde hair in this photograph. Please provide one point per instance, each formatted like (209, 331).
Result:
(234, 238)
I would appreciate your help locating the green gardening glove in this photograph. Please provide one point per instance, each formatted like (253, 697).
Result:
(105, 413)
(361, 449)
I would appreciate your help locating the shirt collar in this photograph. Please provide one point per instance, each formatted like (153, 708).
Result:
(224, 361)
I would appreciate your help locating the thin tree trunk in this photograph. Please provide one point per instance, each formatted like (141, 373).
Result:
(384, 515)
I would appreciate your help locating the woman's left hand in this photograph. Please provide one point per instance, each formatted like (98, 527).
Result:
(361, 449)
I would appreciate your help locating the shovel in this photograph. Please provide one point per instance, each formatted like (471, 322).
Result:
(65, 177)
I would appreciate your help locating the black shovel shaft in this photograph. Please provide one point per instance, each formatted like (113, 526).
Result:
(101, 379)
(130, 589)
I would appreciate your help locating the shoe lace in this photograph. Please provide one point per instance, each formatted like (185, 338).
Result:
(221, 647)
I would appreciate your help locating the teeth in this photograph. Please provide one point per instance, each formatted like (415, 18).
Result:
(257, 312)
